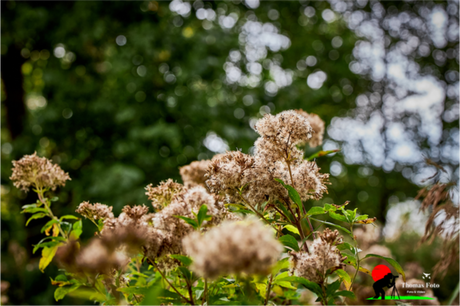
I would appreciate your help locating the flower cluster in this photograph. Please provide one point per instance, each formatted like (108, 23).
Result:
(162, 195)
(317, 126)
(95, 211)
(38, 172)
(323, 256)
(194, 174)
(241, 177)
(247, 247)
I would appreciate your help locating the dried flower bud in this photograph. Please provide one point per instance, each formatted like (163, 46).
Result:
(323, 256)
(194, 174)
(163, 194)
(317, 125)
(38, 172)
(246, 247)
(136, 212)
(95, 211)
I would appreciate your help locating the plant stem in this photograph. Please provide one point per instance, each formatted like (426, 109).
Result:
(297, 224)
(164, 277)
(454, 295)
(254, 210)
(206, 291)
(357, 256)
(40, 194)
(268, 289)
(190, 293)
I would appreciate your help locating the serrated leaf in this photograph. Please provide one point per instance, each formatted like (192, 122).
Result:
(391, 261)
(36, 216)
(290, 242)
(183, 259)
(47, 255)
(316, 210)
(292, 228)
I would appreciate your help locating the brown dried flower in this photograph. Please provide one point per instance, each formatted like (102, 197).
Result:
(246, 247)
(317, 125)
(194, 174)
(280, 134)
(38, 172)
(323, 256)
(95, 211)
(163, 194)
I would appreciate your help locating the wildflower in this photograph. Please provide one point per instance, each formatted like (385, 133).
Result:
(193, 174)
(323, 256)
(246, 247)
(38, 172)
(162, 195)
(279, 135)
(95, 211)
(308, 181)
(318, 128)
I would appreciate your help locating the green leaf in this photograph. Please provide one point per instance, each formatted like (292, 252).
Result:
(61, 292)
(202, 215)
(345, 277)
(190, 221)
(69, 217)
(314, 287)
(292, 228)
(280, 265)
(183, 259)
(332, 224)
(41, 243)
(316, 210)
(331, 288)
(33, 210)
(54, 199)
(391, 261)
(290, 242)
(338, 217)
(293, 194)
(285, 212)
(49, 224)
(186, 272)
(36, 216)
(77, 230)
(362, 217)
(329, 207)
(346, 246)
(134, 290)
(284, 284)
(29, 206)
(47, 255)
(322, 153)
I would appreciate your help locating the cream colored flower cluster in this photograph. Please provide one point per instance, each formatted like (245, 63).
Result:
(276, 156)
(162, 195)
(241, 247)
(95, 211)
(37, 172)
(323, 256)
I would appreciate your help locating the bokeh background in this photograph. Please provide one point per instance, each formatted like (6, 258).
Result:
(121, 94)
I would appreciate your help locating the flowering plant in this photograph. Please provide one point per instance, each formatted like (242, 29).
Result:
(237, 231)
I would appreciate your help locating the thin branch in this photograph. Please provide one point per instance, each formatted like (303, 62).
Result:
(164, 277)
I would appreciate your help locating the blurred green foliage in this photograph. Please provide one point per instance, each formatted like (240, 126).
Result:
(135, 93)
